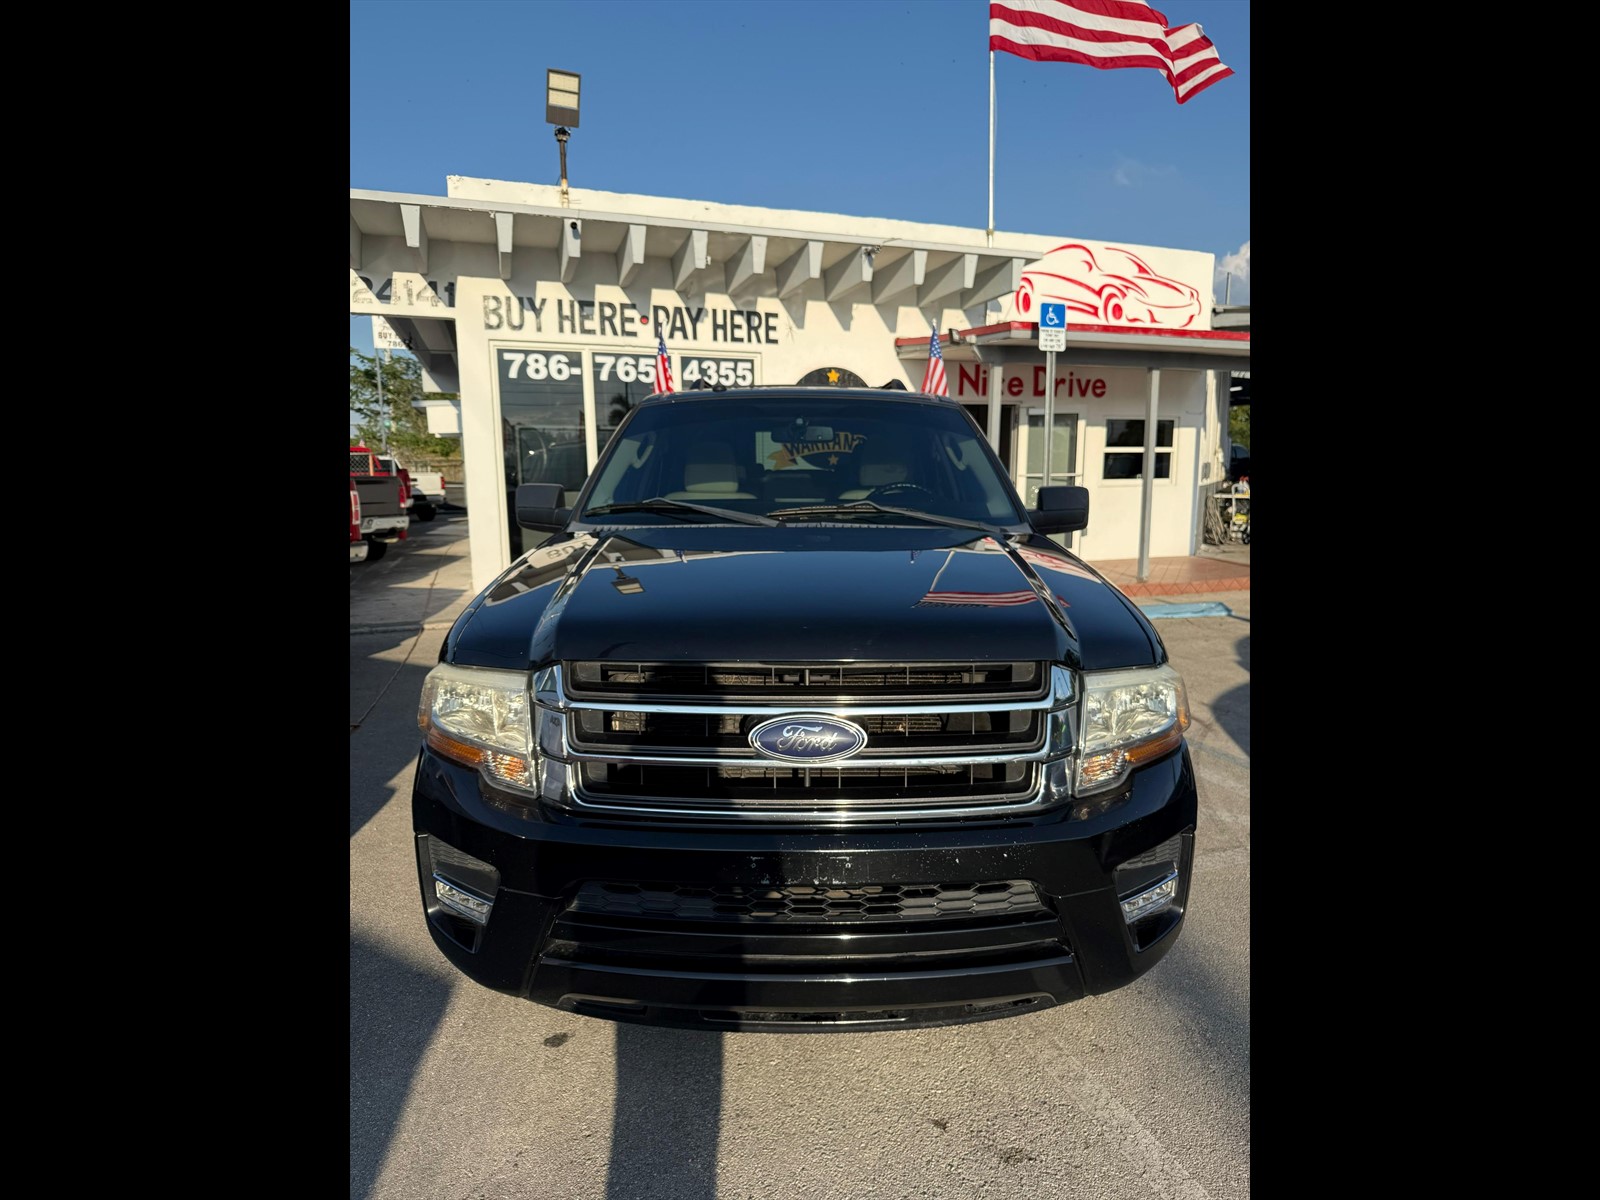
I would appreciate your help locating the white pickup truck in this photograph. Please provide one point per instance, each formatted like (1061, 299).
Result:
(425, 488)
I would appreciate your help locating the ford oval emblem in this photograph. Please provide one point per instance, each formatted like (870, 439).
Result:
(807, 738)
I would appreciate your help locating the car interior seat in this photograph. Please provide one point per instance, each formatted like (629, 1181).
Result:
(709, 475)
(879, 465)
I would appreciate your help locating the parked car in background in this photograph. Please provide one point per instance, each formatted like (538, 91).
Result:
(1239, 463)
(422, 502)
(358, 544)
(383, 502)
(429, 488)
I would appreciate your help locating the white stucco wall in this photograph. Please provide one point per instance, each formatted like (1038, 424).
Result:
(1114, 506)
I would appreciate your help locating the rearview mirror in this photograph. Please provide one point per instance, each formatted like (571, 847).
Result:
(798, 432)
(1061, 510)
(539, 506)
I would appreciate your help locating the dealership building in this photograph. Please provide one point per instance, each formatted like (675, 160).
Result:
(541, 307)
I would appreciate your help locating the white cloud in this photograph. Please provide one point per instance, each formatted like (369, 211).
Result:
(1130, 173)
(1233, 275)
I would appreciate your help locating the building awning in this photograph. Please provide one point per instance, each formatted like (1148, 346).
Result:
(1115, 345)
(707, 247)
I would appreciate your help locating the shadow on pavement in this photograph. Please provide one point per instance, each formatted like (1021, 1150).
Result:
(668, 1114)
(1196, 987)
(395, 1012)
(1232, 708)
(398, 594)
(411, 587)
(384, 739)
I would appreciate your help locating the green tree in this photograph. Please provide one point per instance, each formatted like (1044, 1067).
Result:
(1239, 425)
(402, 384)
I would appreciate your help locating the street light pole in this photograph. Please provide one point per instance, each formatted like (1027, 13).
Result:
(383, 404)
(562, 135)
(561, 110)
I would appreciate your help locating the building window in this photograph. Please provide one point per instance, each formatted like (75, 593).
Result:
(1063, 453)
(1129, 464)
(541, 417)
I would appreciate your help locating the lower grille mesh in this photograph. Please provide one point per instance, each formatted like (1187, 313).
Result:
(790, 902)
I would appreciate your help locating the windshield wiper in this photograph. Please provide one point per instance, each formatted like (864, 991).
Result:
(676, 508)
(861, 508)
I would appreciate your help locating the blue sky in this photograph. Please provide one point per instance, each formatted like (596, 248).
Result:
(873, 108)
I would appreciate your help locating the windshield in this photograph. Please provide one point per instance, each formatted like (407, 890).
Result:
(781, 454)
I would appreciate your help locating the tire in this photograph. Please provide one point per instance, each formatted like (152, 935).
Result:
(423, 512)
(1244, 536)
(376, 549)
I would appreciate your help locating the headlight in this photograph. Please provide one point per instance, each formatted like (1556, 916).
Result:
(482, 718)
(1129, 717)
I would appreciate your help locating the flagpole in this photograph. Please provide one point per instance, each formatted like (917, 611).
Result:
(990, 229)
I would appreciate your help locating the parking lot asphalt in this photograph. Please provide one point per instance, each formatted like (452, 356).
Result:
(457, 1091)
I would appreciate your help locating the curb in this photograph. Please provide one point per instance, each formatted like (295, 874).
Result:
(1204, 608)
(403, 627)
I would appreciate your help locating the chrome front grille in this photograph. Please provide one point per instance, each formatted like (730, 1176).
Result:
(693, 681)
(674, 739)
(889, 734)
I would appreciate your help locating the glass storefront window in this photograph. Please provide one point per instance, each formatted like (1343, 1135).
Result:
(541, 414)
(620, 382)
(1063, 453)
(1131, 466)
(1120, 432)
(1124, 465)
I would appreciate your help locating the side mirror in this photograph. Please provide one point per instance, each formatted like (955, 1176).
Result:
(1061, 510)
(539, 506)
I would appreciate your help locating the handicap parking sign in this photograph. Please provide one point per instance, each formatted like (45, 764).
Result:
(1052, 327)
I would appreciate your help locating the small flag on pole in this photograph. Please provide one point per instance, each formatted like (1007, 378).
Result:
(1107, 34)
(933, 381)
(663, 366)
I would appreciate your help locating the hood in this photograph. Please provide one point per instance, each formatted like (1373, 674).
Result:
(797, 594)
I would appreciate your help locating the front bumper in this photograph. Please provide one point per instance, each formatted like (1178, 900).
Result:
(726, 926)
(358, 551)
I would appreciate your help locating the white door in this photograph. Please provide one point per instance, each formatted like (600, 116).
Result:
(1029, 458)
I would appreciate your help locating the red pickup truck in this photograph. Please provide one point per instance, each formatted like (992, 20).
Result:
(382, 496)
(358, 544)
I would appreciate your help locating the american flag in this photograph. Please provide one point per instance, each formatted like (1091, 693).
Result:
(933, 381)
(663, 366)
(1107, 34)
(980, 599)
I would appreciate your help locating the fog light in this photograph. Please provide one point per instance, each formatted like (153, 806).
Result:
(457, 901)
(1151, 900)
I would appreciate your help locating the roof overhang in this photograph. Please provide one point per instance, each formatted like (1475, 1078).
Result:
(704, 254)
(1109, 345)
(1231, 316)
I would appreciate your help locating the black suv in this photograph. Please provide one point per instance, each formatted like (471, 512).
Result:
(799, 720)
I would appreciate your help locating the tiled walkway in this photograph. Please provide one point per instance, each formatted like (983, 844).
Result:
(1176, 576)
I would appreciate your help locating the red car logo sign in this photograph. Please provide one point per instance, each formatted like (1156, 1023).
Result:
(1111, 287)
